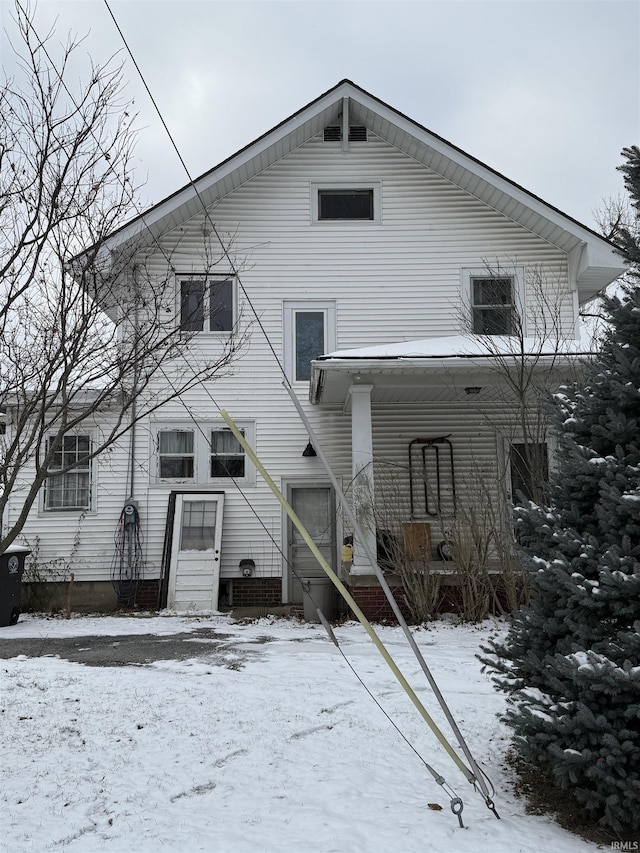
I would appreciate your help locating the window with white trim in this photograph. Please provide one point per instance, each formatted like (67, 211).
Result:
(227, 454)
(206, 303)
(309, 331)
(202, 453)
(495, 301)
(71, 488)
(176, 454)
(345, 202)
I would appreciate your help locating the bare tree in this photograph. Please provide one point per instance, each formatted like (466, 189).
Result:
(528, 360)
(614, 217)
(87, 335)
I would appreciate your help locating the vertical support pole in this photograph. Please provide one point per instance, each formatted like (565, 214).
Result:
(362, 477)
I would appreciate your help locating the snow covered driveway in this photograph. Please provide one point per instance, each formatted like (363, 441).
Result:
(261, 740)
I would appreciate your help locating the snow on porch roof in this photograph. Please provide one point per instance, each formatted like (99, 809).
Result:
(462, 346)
(433, 368)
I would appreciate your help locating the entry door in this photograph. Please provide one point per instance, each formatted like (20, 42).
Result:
(194, 572)
(315, 507)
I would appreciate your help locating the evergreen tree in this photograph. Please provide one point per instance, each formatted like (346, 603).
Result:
(571, 661)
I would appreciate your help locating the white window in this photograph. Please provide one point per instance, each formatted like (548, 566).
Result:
(206, 303)
(309, 330)
(176, 454)
(202, 453)
(71, 488)
(346, 202)
(227, 455)
(494, 301)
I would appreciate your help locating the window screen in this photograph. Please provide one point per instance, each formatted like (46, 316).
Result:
(345, 204)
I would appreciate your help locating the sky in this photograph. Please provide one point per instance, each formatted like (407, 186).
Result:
(547, 92)
(186, 756)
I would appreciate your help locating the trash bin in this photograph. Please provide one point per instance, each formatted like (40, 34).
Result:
(11, 571)
(318, 593)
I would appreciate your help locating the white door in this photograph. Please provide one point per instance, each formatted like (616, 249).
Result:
(194, 571)
(315, 507)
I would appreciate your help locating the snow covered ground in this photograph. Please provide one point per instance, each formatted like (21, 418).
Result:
(272, 745)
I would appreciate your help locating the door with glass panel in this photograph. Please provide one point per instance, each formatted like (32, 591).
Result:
(194, 572)
(315, 507)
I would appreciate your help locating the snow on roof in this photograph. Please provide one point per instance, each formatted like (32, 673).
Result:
(465, 346)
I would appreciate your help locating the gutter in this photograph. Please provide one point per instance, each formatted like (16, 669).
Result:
(390, 364)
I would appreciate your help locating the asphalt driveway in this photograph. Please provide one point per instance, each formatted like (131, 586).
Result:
(208, 644)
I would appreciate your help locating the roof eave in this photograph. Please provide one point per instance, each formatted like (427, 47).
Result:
(473, 176)
(360, 368)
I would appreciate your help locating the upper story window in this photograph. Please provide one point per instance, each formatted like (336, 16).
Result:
(69, 489)
(207, 303)
(492, 306)
(495, 301)
(309, 331)
(346, 202)
(202, 453)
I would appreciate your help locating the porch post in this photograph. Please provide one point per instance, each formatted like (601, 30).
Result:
(362, 474)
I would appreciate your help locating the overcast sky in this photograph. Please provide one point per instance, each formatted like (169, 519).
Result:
(548, 93)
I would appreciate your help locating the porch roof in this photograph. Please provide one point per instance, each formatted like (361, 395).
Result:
(456, 367)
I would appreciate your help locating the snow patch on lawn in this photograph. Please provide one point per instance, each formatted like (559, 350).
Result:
(283, 751)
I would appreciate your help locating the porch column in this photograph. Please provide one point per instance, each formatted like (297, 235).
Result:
(362, 474)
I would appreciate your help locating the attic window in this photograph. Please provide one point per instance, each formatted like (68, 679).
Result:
(345, 204)
(342, 201)
(334, 134)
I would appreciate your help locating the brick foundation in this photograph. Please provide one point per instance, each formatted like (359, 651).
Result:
(257, 592)
(91, 597)
(373, 602)
(145, 596)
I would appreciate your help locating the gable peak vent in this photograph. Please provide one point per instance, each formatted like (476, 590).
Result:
(357, 134)
(333, 133)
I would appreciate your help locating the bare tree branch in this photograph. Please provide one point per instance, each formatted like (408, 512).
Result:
(89, 338)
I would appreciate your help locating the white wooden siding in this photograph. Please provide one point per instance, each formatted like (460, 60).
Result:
(392, 280)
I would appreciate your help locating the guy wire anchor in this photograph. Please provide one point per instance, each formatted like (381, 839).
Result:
(456, 807)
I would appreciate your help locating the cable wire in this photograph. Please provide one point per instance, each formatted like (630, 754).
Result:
(221, 243)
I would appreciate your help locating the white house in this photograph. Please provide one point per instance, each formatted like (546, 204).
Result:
(387, 277)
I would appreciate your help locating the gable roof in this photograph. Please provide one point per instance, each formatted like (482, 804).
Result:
(593, 261)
